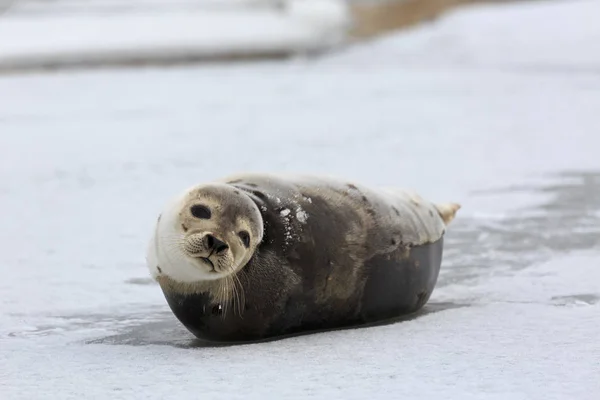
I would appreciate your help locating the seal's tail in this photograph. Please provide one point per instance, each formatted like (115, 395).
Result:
(447, 211)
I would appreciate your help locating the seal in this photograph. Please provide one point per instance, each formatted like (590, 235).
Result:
(257, 256)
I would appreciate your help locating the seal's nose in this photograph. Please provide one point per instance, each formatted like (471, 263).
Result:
(215, 244)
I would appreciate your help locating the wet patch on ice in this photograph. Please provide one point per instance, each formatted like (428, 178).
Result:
(586, 299)
(569, 220)
(169, 332)
(87, 323)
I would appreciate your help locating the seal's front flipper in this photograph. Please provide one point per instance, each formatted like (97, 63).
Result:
(447, 211)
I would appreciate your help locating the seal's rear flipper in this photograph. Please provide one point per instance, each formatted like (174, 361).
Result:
(447, 211)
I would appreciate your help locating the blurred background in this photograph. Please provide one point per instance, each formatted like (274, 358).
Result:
(110, 107)
(66, 33)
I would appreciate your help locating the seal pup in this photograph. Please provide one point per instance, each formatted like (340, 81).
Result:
(257, 256)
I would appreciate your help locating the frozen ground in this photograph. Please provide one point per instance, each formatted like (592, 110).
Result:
(87, 159)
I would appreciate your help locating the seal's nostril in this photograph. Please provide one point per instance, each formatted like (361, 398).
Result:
(221, 248)
(216, 244)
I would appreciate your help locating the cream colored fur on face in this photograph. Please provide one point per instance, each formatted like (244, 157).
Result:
(166, 255)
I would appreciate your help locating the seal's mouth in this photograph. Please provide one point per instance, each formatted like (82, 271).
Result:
(209, 262)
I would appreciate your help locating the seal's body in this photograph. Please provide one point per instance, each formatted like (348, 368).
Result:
(257, 256)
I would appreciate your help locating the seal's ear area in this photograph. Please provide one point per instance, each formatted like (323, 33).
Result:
(447, 211)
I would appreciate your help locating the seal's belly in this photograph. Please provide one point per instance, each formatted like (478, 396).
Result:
(400, 285)
(394, 285)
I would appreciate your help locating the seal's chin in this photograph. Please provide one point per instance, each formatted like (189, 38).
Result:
(210, 263)
(206, 269)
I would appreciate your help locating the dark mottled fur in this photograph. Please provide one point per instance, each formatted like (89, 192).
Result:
(320, 277)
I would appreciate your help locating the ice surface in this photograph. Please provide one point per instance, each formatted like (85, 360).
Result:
(88, 159)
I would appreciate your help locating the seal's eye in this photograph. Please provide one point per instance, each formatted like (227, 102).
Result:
(245, 238)
(200, 211)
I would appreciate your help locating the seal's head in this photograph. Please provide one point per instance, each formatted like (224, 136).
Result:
(207, 233)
